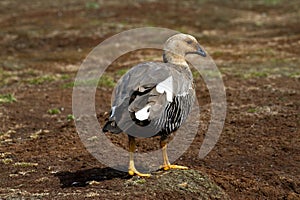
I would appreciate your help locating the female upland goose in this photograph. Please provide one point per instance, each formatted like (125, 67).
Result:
(155, 97)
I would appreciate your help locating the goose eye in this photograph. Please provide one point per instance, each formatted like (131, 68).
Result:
(189, 42)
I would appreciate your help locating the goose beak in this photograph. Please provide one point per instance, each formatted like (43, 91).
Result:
(200, 51)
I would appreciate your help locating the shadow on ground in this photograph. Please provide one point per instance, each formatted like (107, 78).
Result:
(82, 178)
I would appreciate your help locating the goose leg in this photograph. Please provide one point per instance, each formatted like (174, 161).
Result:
(131, 169)
(167, 165)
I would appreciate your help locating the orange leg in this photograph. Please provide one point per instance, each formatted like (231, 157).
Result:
(167, 165)
(131, 169)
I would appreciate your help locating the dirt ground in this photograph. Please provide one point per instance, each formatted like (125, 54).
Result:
(255, 44)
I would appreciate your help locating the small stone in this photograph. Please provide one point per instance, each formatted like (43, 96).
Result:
(183, 185)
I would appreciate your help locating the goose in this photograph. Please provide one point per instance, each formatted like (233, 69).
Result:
(155, 98)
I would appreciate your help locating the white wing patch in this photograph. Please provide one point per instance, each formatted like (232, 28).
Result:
(113, 109)
(166, 86)
(143, 114)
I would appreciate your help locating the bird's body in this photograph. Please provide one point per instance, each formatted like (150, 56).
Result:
(161, 93)
(155, 98)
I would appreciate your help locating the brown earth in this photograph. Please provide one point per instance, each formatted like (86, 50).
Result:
(256, 45)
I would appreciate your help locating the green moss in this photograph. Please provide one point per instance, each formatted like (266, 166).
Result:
(140, 181)
(6, 161)
(92, 5)
(254, 74)
(106, 81)
(53, 111)
(65, 77)
(195, 74)
(252, 110)
(121, 72)
(294, 75)
(135, 181)
(70, 117)
(259, 74)
(41, 80)
(6, 158)
(68, 85)
(7, 98)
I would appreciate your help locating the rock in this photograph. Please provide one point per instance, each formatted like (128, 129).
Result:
(178, 184)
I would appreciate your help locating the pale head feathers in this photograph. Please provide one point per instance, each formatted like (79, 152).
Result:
(178, 46)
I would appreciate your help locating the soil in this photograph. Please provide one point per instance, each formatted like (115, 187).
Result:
(255, 44)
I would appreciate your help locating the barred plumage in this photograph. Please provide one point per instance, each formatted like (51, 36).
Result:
(175, 114)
